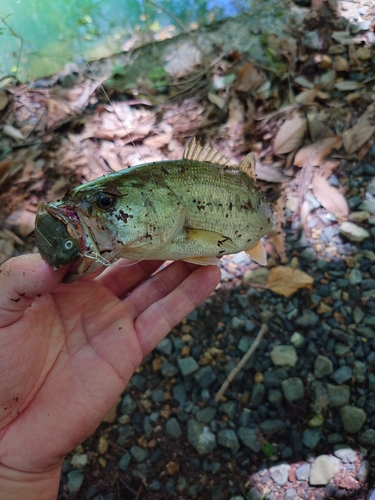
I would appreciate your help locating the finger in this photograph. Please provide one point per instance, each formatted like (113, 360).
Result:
(157, 286)
(22, 280)
(125, 275)
(158, 319)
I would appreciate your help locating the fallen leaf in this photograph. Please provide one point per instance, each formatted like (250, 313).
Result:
(217, 100)
(13, 133)
(286, 281)
(278, 239)
(329, 197)
(348, 85)
(358, 135)
(4, 99)
(23, 222)
(248, 79)
(290, 134)
(316, 152)
(307, 96)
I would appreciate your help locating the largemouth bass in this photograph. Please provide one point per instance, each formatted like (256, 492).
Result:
(196, 209)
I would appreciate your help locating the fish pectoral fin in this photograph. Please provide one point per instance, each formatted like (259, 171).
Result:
(247, 165)
(203, 261)
(212, 238)
(258, 253)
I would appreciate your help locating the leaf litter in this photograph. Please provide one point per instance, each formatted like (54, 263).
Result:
(296, 108)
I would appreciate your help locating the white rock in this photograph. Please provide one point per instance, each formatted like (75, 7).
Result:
(323, 469)
(354, 232)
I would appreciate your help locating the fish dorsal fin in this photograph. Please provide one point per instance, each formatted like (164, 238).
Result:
(247, 165)
(194, 151)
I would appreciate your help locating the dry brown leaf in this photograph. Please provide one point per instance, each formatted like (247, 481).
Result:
(358, 135)
(290, 134)
(248, 79)
(4, 99)
(13, 133)
(286, 281)
(23, 221)
(278, 239)
(330, 198)
(348, 85)
(307, 96)
(316, 152)
(219, 101)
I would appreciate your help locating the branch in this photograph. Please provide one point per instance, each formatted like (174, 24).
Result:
(241, 364)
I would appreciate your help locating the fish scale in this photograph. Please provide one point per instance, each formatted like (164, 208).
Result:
(195, 209)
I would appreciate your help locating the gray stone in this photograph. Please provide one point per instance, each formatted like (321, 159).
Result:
(279, 474)
(79, 460)
(346, 454)
(368, 437)
(338, 395)
(179, 393)
(257, 394)
(354, 232)
(308, 318)
(358, 315)
(187, 366)
(266, 316)
(366, 331)
(284, 355)
(271, 426)
(168, 370)
(244, 344)
(229, 408)
(229, 439)
(75, 480)
(128, 405)
(158, 396)
(254, 494)
(293, 388)
(290, 494)
(275, 397)
(355, 276)
(139, 454)
(368, 206)
(205, 376)
(321, 399)
(323, 366)
(138, 381)
(359, 371)
(173, 428)
(335, 437)
(323, 469)
(165, 346)
(363, 471)
(243, 300)
(302, 473)
(352, 418)
(342, 374)
(206, 414)
(200, 436)
(311, 437)
(297, 340)
(250, 438)
(237, 323)
(125, 461)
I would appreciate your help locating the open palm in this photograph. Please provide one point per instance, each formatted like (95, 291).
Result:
(68, 351)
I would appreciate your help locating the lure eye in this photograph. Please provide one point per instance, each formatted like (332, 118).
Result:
(105, 201)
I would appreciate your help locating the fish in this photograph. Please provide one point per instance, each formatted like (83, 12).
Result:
(196, 209)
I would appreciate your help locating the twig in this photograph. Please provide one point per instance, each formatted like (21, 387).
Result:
(241, 364)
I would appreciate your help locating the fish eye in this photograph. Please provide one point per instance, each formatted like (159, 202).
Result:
(105, 201)
(68, 245)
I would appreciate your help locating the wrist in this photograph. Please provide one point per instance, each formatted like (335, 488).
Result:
(17, 485)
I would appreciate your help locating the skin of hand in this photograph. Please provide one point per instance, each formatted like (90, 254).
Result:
(68, 351)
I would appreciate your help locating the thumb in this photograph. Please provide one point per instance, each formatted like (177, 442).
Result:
(22, 280)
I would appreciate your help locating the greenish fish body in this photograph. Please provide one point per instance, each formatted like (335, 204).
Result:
(196, 209)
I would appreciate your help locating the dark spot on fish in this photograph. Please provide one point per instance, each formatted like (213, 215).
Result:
(209, 204)
(239, 236)
(226, 215)
(248, 241)
(194, 201)
(123, 216)
(200, 207)
(119, 242)
(148, 235)
(165, 170)
(236, 231)
(230, 206)
(89, 210)
(182, 169)
(147, 202)
(16, 300)
(221, 242)
(222, 251)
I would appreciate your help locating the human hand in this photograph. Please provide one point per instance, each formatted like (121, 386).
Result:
(68, 351)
